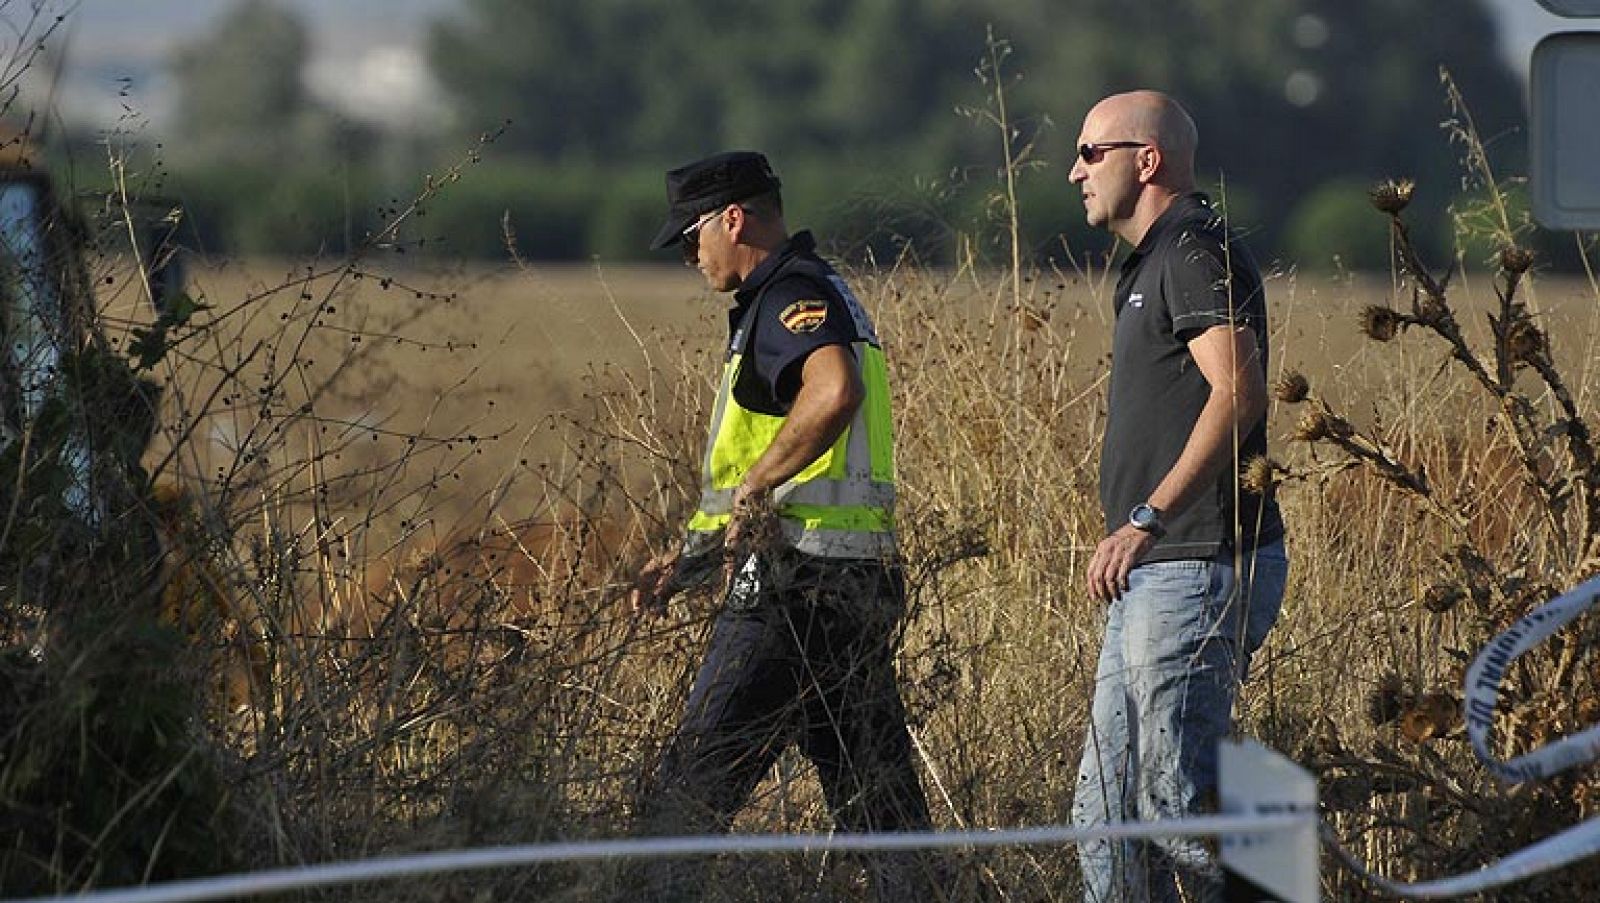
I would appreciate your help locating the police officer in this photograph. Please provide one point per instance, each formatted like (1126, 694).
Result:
(796, 518)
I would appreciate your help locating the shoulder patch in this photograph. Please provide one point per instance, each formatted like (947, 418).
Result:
(804, 316)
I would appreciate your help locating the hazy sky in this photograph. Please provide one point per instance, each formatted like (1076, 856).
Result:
(367, 55)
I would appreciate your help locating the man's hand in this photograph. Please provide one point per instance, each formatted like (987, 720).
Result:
(649, 594)
(751, 520)
(752, 526)
(1114, 557)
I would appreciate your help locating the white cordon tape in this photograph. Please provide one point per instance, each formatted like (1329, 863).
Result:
(1489, 669)
(1482, 691)
(1577, 842)
(279, 880)
(1482, 694)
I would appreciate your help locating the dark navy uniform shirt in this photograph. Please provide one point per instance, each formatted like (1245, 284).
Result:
(1186, 276)
(803, 305)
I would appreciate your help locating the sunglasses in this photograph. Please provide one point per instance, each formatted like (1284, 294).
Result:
(691, 236)
(1094, 152)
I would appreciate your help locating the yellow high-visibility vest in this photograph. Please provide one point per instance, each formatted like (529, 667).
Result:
(842, 504)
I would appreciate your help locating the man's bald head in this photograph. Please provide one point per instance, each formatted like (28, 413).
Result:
(1156, 119)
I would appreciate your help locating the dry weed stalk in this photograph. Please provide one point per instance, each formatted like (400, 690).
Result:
(1418, 781)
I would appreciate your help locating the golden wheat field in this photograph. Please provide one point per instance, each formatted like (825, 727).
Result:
(514, 352)
(352, 425)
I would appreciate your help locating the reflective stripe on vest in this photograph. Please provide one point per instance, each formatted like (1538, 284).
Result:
(842, 504)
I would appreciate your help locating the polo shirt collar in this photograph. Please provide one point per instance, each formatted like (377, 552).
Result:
(799, 243)
(1180, 206)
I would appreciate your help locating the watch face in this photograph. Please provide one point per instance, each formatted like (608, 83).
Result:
(1143, 517)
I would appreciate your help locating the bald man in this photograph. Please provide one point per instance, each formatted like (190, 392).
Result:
(1192, 568)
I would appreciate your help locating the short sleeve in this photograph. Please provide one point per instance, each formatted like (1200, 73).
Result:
(797, 317)
(1205, 286)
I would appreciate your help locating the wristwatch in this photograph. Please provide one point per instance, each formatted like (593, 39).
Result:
(1147, 517)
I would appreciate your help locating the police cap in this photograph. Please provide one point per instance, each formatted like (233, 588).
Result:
(705, 185)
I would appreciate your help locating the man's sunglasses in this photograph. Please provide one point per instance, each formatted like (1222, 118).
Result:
(691, 236)
(1096, 151)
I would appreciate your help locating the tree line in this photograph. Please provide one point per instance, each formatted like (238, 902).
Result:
(881, 115)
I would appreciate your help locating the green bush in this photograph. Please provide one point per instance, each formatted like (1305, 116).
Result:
(626, 213)
(864, 211)
(548, 209)
(289, 211)
(1337, 226)
(104, 777)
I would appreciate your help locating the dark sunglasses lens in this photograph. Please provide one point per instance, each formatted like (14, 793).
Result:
(691, 247)
(1088, 153)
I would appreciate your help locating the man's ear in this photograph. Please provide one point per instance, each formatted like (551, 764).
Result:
(737, 220)
(1149, 162)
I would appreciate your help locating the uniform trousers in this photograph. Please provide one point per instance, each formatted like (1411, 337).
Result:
(802, 652)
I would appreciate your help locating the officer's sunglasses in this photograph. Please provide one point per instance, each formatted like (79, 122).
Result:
(1096, 151)
(691, 236)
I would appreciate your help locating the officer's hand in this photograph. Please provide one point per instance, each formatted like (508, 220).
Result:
(650, 588)
(751, 521)
(1114, 557)
(752, 527)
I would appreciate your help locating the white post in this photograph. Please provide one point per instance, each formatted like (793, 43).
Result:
(1275, 865)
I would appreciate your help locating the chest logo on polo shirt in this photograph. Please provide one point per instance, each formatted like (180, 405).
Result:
(1136, 299)
(804, 316)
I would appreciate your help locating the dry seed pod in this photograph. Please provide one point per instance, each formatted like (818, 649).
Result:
(1391, 196)
(1380, 323)
(1386, 699)
(1320, 423)
(1515, 260)
(1260, 475)
(1433, 716)
(1313, 425)
(1292, 388)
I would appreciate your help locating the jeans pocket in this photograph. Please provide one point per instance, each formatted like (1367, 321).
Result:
(1268, 576)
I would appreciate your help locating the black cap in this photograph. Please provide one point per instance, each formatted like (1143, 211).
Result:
(705, 185)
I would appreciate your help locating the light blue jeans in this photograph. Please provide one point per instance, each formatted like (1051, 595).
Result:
(1177, 644)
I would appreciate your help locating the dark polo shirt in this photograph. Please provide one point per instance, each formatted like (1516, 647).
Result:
(1186, 276)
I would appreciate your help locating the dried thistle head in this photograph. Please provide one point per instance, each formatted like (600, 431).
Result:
(1313, 426)
(1320, 423)
(1416, 727)
(1514, 259)
(1392, 195)
(1292, 388)
(1381, 323)
(1442, 597)
(1386, 699)
(1525, 342)
(1433, 716)
(1260, 475)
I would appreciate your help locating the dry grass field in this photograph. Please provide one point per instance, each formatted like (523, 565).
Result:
(432, 486)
